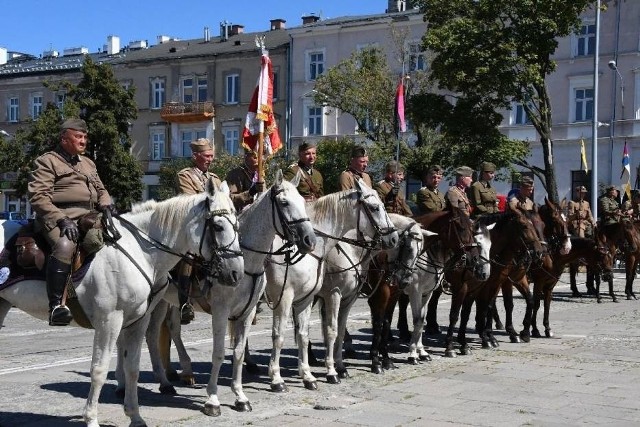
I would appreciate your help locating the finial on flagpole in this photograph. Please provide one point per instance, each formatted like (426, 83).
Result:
(260, 44)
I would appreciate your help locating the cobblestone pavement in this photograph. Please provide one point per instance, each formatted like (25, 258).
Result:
(588, 374)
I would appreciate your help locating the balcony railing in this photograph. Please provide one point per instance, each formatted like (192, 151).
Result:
(187, 112)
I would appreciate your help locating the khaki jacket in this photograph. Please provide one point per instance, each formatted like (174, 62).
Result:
(192, 180)
(64, 186)
(581, 221)
(524, 203)
(240, 181)
(311, 186)
(483, 198)
(348, 179)
(609, 210)
(458, 198)
(430, 200)
(397, 204)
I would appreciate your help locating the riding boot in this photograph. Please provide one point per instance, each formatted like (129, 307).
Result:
(57, 276)
(186, 309)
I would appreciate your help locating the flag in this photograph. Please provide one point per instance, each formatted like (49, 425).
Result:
(401, 125)
(583, 157)
(260, 115)
(625, 175)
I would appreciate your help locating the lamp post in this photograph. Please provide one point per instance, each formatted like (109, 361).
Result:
(594, 144)
(614, 66)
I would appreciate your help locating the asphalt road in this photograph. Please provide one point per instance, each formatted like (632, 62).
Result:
(588, 374)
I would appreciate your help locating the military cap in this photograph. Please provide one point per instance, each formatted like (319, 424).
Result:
(305, 146)
(464, 171)
(610, 187)
(358, 151)
(435, 169)
(393, 166)
(487, 167)
(201, 144)
(581, 189)
(75, 124)
(526, 181)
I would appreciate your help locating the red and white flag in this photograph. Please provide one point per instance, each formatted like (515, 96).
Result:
(260, 116)
(401, 125)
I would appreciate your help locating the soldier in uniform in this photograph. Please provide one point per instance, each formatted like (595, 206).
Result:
(522, 198)
(581, 224)
(356, 170)
(192, 181)
(244, 182)
(63, 187)
(482, 195)
(457, 195)
(429, 198)
(631, 208)
(389, 189)
(609, 208)
(311, 185)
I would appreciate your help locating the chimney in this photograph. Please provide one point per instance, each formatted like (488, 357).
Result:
(236, 29)
(162, 39)
(310, 19)
(3, 55)
(113, 45)
(207, 36)
(224, 30)
(277, 24)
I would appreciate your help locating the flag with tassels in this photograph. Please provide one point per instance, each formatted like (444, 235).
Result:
(583, 157)
(625, 175)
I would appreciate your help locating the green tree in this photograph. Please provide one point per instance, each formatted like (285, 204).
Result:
(333, 158)
(493, 52)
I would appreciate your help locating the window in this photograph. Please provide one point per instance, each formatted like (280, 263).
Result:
(316, 65)
(583, 104)
(586, 40)
(13, 110)
(187, 136)
(417, 57)
(314, 120)
(60, 98)
(233, 89)
(520, 116)
(157, 145)
(231, 139)
(36, 105)
(202, 88)
(276, 86)
(157, 93)
(186, 88)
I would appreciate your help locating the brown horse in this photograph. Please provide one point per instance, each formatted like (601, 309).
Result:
(632, 259)
(619, 237)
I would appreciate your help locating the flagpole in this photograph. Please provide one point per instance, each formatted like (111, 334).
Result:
(594, 144)
(260, 147)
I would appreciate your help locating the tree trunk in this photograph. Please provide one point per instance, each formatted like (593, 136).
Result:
(549, 169)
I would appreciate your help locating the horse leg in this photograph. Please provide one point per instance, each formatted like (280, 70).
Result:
(159, 351)
(432, 327)
(377, 322)
(330, 329)
(280, 316)
(535, 332)
(343, 315)
(462, 330)
(302, 318)
(483, 321)
(104, 340)
(631, 266)
(573, 270)
(418, 321)
(611, 293)
(175, 328)
(496, 316)
(240, 331)
(130, 340)
(219, 318)
(5, 306)
(507, 298)
(598, 297)
(387, 363)
(547, 308)
(592, 277)
(403, 326)
(454, 313)
(525, 291)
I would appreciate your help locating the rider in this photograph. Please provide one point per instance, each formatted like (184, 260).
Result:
(357, 166)
(429, 198)
(581, 224)
(63, 187)
(609, 208)
(244, 182)
(192, 181)
(522, 198)
(457, 196)
(311, 185)
(389, 189)
(482, 195)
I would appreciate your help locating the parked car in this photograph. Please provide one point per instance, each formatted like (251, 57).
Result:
(20, 217)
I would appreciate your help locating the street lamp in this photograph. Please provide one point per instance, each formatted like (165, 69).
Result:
(614, 66)
(5, 133)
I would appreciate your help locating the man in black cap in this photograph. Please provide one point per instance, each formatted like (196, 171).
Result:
(482, 195)
(63, 187)
(356, 170)
(311, 185)
(389, 189)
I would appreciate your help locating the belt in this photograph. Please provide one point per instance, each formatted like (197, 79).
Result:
(69, 205)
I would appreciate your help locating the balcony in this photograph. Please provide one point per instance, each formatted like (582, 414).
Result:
(187, 112)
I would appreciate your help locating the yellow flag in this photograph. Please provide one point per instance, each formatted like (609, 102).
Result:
(583, 157)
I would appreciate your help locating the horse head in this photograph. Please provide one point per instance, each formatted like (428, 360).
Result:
(556, 230)
(288, 208)
(482, 237)
(411, 245)
(375, 222)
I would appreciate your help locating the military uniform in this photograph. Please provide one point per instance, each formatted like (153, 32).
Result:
(522, 202)
(429, 200)
(392, 204)
(193, 181)
(581, 221)
(609, 210)
(349, 176)
(240, 181)
(458, 198)
(311, 185)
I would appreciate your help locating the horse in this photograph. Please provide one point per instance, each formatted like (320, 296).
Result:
(632, 260)
(127, 278)
(514, 246)
(280, 211)
(457, 248)
(343, 280)
(619, 237)
(294, 286)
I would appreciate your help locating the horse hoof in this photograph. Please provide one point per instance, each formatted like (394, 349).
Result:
(376, 369)
(494, 343)
(425, 357)
(211, 410)
(350, 353)
(412, 361)
(252, 368)
(548, 333)
(614, 299)
(465, 351)
(499, 326)
(388, 365)
(342, 373)
(242, 406)
(576, 294)
(310, 385)
(432, 329)
(536, 333)
(633, 295)
(188, 380)
(333, 379)
(599, 300)
(168, 390)
(120, 393)
(172, 375)
(450, 353)
(487, 345)
(525, 337)
(514, 339)
(279, 388)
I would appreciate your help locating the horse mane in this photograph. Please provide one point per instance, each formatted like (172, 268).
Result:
(327, 209)
(425, 220)
(143, 206)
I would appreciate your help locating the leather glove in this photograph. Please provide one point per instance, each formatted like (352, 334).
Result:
(110, 208)
(395, 189)
(258, 187)
(69, 228)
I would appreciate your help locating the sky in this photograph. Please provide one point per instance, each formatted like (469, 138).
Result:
(36, 26)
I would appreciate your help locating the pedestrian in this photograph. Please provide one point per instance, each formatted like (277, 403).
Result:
(63, 187)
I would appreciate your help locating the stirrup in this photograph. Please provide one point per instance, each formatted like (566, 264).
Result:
(60, 316)
(186, 314)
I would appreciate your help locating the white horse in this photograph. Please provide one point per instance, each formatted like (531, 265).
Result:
(127, 279)
(346, 265)
(294, 286)
(280, 211)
